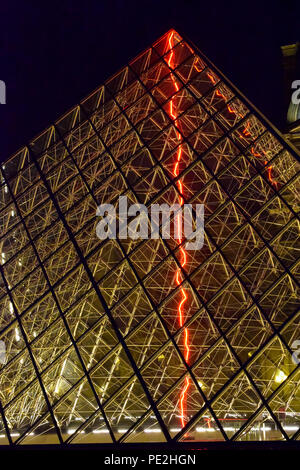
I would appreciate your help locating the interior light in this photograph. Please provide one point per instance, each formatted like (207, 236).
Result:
(17, 334)
(201, 429)
(201, 384)
(280, 376)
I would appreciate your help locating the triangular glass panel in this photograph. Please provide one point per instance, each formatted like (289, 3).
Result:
(262, 428)
(204, 428)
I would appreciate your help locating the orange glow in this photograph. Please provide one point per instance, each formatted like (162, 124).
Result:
(211, 78)
(245, 131)
(183, 261)
(182, 400)
(269, 171)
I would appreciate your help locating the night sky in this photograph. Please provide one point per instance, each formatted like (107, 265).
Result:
(54, 53)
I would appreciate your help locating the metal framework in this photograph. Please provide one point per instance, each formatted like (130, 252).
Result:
(142, 340)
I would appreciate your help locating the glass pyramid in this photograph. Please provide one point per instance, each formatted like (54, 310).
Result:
(141, 340)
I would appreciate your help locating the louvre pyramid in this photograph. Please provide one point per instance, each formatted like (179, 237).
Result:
(96, 350)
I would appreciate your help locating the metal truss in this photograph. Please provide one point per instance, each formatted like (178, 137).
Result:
(98, 348)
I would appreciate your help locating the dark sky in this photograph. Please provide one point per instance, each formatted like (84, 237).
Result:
(53, 53)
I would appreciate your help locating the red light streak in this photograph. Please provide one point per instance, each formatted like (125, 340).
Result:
(183, 261)
(246, 133)
(208, 420)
